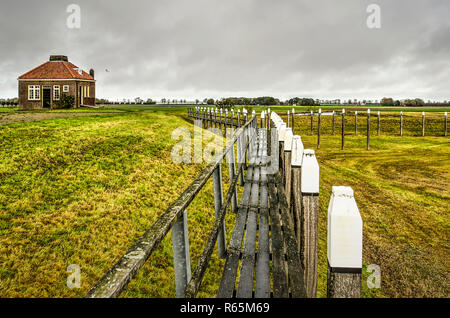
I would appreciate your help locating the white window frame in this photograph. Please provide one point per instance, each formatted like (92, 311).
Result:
(34, 92)
(56, 88)
(65, 88)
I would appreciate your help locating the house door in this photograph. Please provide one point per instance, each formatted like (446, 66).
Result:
(81, 101)
(46, 94)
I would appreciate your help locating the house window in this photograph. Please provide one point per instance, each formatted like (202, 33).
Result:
(66, 88)
(56, 92)
(34, 92)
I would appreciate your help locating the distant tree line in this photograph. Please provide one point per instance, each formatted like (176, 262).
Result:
(416, 102)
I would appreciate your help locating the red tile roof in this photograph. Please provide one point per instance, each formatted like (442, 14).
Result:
(56, 70)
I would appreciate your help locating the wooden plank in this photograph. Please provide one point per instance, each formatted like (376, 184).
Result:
(295, 269)
(262, 276)
(280, 283)
(229, 274)
(245, 286)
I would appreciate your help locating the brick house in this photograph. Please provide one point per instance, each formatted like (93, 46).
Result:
(41, 87)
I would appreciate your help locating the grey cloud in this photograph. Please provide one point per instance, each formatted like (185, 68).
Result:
(200, 48)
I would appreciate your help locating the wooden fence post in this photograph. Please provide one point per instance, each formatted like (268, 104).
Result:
(218, 201)
(423, 124)
(181, 256)
(239, 144)
(378, 125)
(344, 245)
(293, 120)
(288, 119)
(296, 196)
(401, 123)
(311, 123)
(333, 121)
(232, 168)
(368, 129)
(445, 125)
(288, 136)
(343, 128)
(318, 128)
(281, 135)
(356, 122)
(309, 220)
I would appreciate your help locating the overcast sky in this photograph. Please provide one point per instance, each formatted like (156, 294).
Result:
(218, 48)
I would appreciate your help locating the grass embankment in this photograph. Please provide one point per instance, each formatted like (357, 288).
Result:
(81, 191)
(402, 188)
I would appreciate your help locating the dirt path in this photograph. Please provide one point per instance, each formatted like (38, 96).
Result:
(6, 119)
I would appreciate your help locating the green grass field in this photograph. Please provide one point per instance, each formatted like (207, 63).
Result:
(81, 190)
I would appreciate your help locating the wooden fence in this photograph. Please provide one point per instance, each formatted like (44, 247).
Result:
(293, 208)
(366, 124)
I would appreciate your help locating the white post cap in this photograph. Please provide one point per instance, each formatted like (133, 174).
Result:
(297, 151)
(378, 113)
(281, 132)
(310, 172)
(320, 110)
(368, 110)
(423, 113)
(288, 135)
(356, 112)
(293, 110)
(263, 115)
(344, 247)
(253, 113)
(445, 113)
(401, 113)
(343, 110)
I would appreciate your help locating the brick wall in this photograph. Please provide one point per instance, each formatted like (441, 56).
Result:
(25, 104)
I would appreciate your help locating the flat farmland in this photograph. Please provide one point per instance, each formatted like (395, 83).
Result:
(81, 190)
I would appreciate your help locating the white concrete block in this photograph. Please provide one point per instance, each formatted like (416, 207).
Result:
(310, 172)
(288, 135)
(344, 248)
(297, 151)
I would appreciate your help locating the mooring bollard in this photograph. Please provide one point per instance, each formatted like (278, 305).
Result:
(356, 122)
(288, 136)
(423, 124)
(343, 128)
(318, 128)
(344, 245)
(368, 129)
(401, 123)
(181, 255)
(296, 197)
(218, 201)
(309, 220)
